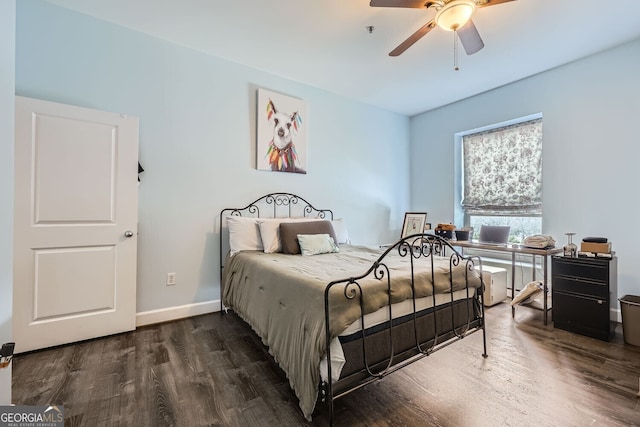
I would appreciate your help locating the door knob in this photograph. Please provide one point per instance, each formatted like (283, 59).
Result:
(128, 233)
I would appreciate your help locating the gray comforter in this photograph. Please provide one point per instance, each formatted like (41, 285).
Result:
(282, 298)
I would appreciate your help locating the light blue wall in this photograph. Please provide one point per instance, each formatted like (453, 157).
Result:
(197, 141)
(591, 149)
(7, 114)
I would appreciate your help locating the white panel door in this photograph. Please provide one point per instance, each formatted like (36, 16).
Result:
(76, 208)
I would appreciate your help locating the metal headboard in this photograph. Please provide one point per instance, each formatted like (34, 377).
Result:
(272, 205)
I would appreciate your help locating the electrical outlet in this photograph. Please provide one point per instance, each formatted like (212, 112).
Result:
(171, 279)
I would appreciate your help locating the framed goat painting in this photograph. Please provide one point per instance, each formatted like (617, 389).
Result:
(281, 133)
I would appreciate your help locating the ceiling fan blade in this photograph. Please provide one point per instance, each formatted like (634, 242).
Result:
(413, 38)
(416, 4)
(470, 38)
(492, 3)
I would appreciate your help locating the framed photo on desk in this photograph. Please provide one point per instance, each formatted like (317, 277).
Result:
(414, 223)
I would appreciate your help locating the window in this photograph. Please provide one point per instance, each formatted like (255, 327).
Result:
(501, 182)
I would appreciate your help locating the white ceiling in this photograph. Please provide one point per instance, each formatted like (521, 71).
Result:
(325, 43)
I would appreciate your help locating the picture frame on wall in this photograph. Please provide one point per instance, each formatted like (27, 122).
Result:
(414, 223)
(281, 139)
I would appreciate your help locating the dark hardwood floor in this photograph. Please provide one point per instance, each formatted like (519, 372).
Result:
(212, 370)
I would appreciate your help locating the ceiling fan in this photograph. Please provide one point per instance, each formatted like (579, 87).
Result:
(451, 15)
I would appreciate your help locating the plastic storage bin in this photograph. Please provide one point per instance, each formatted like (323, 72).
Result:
(630, 306)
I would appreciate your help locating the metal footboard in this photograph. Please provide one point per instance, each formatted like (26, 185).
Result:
(418, 248)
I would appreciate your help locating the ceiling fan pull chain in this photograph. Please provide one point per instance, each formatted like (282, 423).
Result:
(455, 50)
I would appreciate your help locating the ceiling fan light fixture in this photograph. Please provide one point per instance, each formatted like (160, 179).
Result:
(455, 14)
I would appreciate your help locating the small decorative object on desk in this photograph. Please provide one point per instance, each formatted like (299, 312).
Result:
(445, 230)
(570, 249)
(464, 233)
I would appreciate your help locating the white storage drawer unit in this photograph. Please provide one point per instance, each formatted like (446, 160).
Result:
(495, 282)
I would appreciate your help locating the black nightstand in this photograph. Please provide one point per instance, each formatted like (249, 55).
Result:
(583, 292)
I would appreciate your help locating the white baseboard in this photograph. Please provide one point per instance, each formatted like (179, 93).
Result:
(615, 314)
(180, 312)
(174, 313)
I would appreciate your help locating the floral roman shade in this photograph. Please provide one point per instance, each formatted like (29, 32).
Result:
(503, 170)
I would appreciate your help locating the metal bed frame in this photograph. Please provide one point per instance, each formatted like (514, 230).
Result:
(272, 205)
(432, 329)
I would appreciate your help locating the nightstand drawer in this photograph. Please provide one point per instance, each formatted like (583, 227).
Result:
(580, 286)
(582, 315)
(595, 270)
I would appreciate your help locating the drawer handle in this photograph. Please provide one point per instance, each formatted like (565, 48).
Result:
(600, 301)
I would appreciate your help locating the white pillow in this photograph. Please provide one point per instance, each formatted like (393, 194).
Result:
(270, 232)
(314, 244)
(340, 228)
(244, 234)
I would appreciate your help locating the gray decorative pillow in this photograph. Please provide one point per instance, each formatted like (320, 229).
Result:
(289, 233)
(315, 244)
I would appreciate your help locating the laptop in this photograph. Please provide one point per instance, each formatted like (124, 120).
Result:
(494, 234)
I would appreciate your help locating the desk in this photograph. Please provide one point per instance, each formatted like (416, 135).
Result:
(514, 250)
